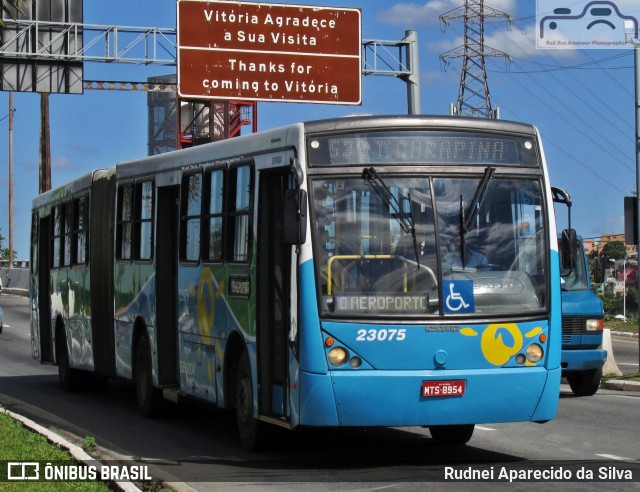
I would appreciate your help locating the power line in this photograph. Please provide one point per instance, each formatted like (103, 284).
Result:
(561, 103)
(582, 165)
(7, 115)
(589, 65)
(603, 117)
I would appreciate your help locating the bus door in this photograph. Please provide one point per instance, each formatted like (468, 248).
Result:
(44, 296)
(166, 287)
(274, 294)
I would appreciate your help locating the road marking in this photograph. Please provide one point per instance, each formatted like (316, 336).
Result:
(483, 428)
(635, 342)
(617, 458)
(627, 363)
(622, 396)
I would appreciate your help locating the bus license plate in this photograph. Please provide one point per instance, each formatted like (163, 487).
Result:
(443, 388)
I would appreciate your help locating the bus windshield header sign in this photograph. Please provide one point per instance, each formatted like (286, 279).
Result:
(420, 147)
(269, 52)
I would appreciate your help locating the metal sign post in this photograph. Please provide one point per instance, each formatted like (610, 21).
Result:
(636, 51)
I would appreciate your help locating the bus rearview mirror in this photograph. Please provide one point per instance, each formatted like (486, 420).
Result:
(295, 215)
(569, 250)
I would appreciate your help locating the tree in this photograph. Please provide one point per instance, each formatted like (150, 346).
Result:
(614, 250)
(4, 252)
(611, 302)
(631, 300)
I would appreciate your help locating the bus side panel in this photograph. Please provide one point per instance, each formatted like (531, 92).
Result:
(312, 358)
(36, 351)
(317, 401)
(208, 317)
(41, 301)
(555, 323)
(59, 296)
(100, 260)
(135, 300)
(201, 329)
(78, 323)
(548, 404)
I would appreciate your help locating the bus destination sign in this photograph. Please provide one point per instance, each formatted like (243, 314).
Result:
(269, 52)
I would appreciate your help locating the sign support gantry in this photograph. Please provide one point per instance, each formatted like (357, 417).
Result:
(154, 46)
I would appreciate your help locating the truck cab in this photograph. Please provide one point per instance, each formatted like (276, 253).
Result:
(582, 327)
(582, 314)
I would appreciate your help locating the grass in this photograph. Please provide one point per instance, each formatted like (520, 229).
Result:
(20, 444)
(630, 377)
(630, 326)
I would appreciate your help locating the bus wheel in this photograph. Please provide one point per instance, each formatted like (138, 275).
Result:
(585, 383)
(69, 377)
(251, 431)
(147, 396)
(454, 435)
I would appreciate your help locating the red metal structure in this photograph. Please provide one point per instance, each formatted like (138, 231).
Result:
(201, 121)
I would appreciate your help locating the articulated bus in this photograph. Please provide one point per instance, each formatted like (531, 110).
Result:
(363, 271)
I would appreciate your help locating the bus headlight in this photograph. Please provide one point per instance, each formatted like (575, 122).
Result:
(337, 356)
(534, 353)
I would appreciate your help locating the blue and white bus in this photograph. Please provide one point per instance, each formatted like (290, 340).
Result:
(364, 271)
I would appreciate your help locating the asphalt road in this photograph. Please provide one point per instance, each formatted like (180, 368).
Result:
(625, 351)
(198, 445)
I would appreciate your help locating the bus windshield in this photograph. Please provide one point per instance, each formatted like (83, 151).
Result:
(429, 245)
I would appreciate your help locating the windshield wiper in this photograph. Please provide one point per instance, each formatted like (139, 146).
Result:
(478, 198)
(467, 220)
(373, 179)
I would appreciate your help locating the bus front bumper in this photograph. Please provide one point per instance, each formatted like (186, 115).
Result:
(394, 398)
(582, 360)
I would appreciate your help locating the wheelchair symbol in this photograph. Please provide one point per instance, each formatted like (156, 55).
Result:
(455, 301)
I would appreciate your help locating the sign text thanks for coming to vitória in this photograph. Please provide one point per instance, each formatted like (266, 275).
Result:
(269, 52)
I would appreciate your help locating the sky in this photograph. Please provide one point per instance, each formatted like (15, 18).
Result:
(581, 100)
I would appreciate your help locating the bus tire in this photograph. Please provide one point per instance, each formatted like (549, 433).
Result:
(69, 378)
(452, 435)
(585, 383)
(148, 397)
(250, 429)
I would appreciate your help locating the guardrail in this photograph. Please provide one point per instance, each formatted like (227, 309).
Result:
(15, 280)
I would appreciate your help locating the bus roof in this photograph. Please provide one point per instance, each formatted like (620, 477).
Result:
(409, 121)
(69, 189)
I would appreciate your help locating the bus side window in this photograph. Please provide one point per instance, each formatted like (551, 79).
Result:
(35, 241)
(191, 216)
(214, 215)
(144, 220)
(68, 233)
(239, 216)
(81, 230)
(57, 236)
(125, 218)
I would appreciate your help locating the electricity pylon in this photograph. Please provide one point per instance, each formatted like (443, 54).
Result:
(473, 94)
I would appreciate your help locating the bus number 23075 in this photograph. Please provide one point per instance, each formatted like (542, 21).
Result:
(381, 335)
